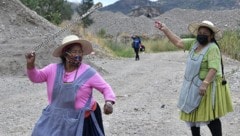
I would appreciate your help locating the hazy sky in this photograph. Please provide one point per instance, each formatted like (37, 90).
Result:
(104, 2)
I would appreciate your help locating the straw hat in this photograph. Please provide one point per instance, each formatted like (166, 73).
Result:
(86, 45)
(193, 28)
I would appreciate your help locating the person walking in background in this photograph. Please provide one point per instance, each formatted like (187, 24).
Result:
(205, 94)
(136, 46)
(72, 111)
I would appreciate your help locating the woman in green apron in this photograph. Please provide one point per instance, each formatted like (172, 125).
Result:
(205, 94)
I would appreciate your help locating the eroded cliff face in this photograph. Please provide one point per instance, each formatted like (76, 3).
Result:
(21, 29)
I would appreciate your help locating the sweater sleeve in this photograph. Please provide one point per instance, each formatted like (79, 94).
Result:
(39, 75)
(102, 86)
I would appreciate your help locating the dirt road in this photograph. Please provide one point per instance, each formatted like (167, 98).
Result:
(147, 93)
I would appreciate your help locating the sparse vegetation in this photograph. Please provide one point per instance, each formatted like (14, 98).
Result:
(158, 45)
(120, 49)
(230, 44)
(101, 33)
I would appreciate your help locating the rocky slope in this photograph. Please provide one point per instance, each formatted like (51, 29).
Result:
(21, 30)
(176, 19)
(126, 6)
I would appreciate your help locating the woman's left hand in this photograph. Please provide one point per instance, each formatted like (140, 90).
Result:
(203, 88)
(108, 108)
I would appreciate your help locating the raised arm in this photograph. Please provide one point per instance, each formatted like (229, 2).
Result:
(35, 75)
(176, 40)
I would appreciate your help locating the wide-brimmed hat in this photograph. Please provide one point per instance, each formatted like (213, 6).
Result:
(86, 45)
(193, 28)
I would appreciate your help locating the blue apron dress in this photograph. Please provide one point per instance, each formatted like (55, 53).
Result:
(60, 118)
(189, 98)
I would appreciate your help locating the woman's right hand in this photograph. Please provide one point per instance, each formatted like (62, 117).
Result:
(30, 57)
(159, 25)
(108, 108)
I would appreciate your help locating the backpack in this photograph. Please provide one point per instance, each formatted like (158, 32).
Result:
(136, 43)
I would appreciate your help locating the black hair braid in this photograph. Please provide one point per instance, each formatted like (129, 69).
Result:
(222, 66)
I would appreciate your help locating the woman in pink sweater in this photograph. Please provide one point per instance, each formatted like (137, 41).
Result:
(71, 111)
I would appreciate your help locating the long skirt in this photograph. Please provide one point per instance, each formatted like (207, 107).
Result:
(208, 109)
(89, 128)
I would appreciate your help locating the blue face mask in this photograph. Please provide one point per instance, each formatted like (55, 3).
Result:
(77, 58)
(74, 60)
(202, 39)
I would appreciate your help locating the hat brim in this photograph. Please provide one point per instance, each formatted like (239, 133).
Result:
(193, 29)
(86, 47)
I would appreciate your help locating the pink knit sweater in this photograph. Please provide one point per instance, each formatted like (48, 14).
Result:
(48, 73)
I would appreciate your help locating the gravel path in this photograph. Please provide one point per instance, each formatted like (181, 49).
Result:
(147, 93)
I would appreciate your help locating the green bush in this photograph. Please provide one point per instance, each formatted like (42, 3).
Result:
(54, 11)
(82, 8)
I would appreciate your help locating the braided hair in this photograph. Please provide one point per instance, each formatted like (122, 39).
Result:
(222, 66)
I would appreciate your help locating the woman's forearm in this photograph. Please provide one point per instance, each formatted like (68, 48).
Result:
(176, 40)
(210, 76)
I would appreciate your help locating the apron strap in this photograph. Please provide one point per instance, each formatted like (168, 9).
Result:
(81, 116)
(59, 72)
(99, 131)
(82, 79)
(85, 76)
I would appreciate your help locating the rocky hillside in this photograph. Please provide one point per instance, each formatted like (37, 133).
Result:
(162, 6)
(125, 6)
(148, 11)
(177, 19)
(21, 30)
(199, 4)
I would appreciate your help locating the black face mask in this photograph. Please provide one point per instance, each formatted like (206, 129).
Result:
(202, 39)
